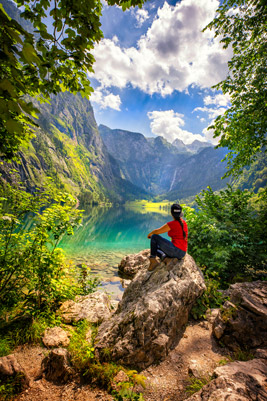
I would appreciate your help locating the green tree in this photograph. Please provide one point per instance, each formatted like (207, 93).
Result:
(45, 62)
(243, 127)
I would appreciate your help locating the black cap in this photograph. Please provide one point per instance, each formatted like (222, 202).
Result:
(176, 209)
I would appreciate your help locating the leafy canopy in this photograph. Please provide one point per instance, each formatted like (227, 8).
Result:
(243, 127)
(45, 61)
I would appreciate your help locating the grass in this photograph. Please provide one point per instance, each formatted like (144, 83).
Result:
(196, 383)
(147, 206)
(81, 350)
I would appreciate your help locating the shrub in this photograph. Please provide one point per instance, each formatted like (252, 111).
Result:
(33, 275)
(228, 233)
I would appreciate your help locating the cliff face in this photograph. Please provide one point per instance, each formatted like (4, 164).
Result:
(69, 149)
(146, 162)
(162, 168)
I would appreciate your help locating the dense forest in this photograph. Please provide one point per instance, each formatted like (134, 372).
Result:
(51, 164)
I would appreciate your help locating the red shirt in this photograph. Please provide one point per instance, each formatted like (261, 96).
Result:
(176, 234)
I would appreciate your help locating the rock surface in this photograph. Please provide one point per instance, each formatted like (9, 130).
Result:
(131, 264)
(243, 321)
(94, 307)
(56, 366)
(152, 314)
(55, 337)
(236, 381)
(10, 367)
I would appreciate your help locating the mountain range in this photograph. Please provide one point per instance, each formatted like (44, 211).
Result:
(175, 170)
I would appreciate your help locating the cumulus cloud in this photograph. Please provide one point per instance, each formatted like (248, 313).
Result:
(106, 99)
(172, 55)
(168, 124)
(219, 100)
(141, 16)
(214, 106)
(212, 112)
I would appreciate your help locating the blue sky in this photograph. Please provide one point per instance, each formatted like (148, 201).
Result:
(154, 70)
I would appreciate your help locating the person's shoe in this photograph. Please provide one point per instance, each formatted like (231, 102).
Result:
(153, 264)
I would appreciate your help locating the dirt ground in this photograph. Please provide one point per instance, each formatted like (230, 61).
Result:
(197, 352)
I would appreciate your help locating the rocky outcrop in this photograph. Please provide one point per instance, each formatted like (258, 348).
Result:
(242, 323)
(152, 314)
(131, 264)
(56, 366)
(94, 307)
(236, 381)
(55, 337)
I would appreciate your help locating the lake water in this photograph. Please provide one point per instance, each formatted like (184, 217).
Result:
(106, 236)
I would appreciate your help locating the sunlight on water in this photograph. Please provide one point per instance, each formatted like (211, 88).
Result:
(106, 236)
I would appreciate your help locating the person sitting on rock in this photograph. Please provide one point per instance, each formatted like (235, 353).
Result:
(177, 247)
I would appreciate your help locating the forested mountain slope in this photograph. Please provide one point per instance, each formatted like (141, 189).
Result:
(69, 149)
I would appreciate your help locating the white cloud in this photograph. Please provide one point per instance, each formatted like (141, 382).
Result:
(141, 16)
(172, 55)
(106, 99)
(214, 106)
(212, 112)
(168, 124)
(219, 100)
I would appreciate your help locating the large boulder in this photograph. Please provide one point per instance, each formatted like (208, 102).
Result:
(131, 264)
(242, 322)
(152, 314)
(94, 307)
(236, 381)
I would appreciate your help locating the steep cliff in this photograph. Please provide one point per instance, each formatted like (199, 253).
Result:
(175, 170)
(69, 149)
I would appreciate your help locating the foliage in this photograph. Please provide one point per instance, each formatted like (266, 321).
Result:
(242, 128)
(87, 283)
(5, 346)
(45, 62)
(25, 330)
(80, 349)
(11, 386)
(33, 275)
(228, 233)
(243, 355)
(212, 297)
(196, 384)
(127, 387)
(102, 374)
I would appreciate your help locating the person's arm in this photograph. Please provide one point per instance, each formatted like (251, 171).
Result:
(161, 230)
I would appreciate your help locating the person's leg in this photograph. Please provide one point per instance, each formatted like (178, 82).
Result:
(166, 246)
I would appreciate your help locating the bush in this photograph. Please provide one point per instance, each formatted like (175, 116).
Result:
(33, 275)
(212, 298)
(228, 233)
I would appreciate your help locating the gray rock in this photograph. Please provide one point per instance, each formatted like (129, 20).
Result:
(56, 366)
(94, 307)
(152, 314)
(242, 323)
(131, 264)
(236, 381)
(55, 337)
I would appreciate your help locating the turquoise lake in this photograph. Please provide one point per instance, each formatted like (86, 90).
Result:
(105, 236)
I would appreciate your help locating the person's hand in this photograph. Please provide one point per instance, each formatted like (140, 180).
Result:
(149, 236)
